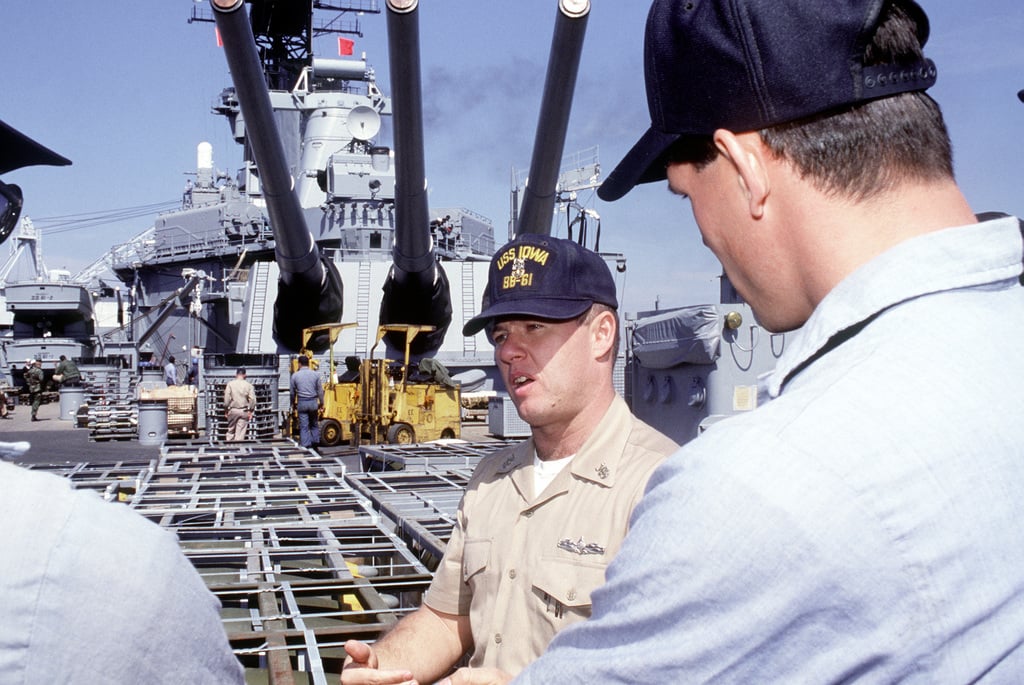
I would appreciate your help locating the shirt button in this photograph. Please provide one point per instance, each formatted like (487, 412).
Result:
(512, 574)
(497, 638)
(528, 513)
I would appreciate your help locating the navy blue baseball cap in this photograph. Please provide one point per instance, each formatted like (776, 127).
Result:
(744, 65)
(542, 277)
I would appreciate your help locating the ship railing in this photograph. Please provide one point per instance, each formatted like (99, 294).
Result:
(345, 254)
(192, 244)
(200, 12)
(176, 247)
(475, 244)
(135, 250)
(309, 82)
(372, 6)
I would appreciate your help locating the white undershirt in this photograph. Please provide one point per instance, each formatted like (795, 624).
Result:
(545, 471)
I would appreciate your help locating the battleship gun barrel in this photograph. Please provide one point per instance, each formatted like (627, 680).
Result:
(296, 251)
(413, 250)
(538, 205)
(309, 291)
(417, 290)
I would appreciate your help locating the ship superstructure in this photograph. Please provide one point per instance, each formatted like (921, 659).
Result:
(328, 221)
(45, 314)
(327, 115)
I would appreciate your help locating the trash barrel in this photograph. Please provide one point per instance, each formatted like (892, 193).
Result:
(152, 422)
(71, 398)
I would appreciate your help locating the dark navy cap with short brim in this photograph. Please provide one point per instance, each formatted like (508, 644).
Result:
(744, 65)
(539, 276)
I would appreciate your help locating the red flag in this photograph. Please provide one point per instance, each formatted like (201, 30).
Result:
(220, 43)
(345, 46)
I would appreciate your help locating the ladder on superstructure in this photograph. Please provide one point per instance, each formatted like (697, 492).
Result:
(257, 306)
(468, 305)
(363, 307)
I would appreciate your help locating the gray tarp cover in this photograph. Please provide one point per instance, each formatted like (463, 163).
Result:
(436, 371)
(689, 335)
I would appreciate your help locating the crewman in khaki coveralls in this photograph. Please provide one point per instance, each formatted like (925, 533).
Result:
(239, 404)
(541, 520)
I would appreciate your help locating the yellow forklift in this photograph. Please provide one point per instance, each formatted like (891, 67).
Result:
(388, 402)
(340, 396)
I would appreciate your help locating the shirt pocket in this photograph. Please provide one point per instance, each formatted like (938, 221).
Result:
(476, 554)
(567, 582)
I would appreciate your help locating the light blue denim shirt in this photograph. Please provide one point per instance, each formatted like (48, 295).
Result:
(865, 524)
(91, 592)
(306, 386)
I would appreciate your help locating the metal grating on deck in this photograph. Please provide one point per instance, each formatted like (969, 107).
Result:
(302, 553)
(440, 456)
(419, 488)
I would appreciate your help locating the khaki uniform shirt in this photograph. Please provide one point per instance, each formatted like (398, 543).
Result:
(239, 394)
(522, 566)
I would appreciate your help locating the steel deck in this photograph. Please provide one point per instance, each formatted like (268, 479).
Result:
(302, 553)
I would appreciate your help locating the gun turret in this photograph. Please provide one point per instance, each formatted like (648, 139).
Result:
(310, 288)
(416, 290)
(538, 205)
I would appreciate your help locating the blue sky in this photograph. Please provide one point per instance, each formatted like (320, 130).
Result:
(123, 88)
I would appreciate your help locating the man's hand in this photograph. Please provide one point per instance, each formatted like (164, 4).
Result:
(477, 676)
(361, 668)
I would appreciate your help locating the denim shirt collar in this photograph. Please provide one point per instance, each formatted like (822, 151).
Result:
(961, 257)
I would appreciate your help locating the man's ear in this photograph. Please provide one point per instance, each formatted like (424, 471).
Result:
(746, 153)
(603, 329)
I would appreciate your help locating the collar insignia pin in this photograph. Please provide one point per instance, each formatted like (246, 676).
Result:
(602, 471)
